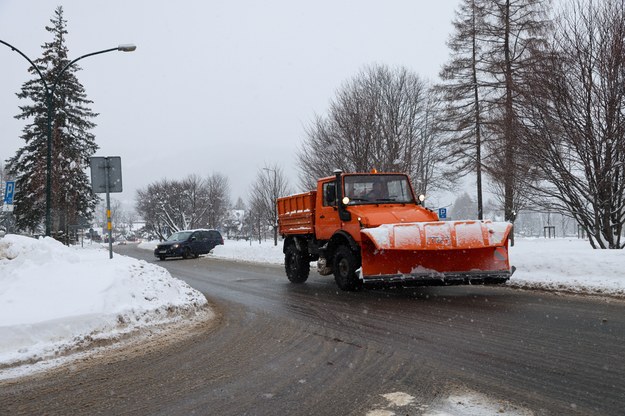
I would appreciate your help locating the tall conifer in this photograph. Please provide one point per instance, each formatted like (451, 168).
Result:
(72, 142)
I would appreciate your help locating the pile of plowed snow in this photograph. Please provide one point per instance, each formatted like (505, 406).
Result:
(55, 298)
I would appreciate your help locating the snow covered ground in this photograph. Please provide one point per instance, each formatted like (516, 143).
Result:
(56, 299)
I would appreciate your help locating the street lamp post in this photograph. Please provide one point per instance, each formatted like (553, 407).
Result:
(50, 107)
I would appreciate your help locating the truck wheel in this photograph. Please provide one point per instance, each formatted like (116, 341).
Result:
(296, 264)
(344, 267)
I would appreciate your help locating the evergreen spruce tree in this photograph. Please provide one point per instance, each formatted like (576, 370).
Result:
(462, 91)
(72, 142)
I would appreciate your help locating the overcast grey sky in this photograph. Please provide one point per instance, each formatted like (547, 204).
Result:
(216, 86)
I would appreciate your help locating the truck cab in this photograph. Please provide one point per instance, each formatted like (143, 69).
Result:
(353, 201)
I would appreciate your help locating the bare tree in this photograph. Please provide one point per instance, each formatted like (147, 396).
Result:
(253, 220)
(513, 31)
(153, 205)
(381, 119)
(169, 206)
(122, 218)
(270, 184)
(575, 119)
(218, 200)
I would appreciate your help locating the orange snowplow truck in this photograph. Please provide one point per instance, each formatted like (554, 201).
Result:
(368, 228)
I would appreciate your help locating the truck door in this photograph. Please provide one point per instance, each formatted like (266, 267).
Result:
(327, 220)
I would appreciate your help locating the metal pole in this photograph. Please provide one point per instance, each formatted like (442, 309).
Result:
(108, 207)
(49, 105)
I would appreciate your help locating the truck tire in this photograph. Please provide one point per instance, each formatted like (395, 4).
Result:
(344, 267)
(296, 264)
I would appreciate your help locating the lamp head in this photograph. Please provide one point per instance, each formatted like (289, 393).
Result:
(127, 47)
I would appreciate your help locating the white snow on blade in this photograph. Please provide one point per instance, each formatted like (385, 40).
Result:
(408, 235)
(469, 233)
(436, 229)
(381, 236)
(497, 231)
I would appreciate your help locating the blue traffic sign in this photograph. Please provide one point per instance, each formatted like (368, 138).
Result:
(442, 213)
(8, 192)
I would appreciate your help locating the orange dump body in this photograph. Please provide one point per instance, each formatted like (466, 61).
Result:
(296, 214)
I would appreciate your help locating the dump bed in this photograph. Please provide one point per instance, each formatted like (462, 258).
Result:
(296, 214)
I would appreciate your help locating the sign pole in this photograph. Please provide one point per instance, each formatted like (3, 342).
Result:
(108, 207)
(106, 177)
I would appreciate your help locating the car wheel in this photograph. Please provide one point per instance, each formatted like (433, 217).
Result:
(296, 264)
(186, 254)
(161, 258)
(344, 267)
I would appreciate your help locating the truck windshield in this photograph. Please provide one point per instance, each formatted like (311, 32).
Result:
(375, 189)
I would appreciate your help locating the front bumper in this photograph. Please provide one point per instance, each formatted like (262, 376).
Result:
(168, 252)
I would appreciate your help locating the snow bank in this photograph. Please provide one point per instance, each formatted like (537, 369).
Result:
(567, 264)
(54, 298)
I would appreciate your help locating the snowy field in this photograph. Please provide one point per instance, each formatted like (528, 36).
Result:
(56, 299)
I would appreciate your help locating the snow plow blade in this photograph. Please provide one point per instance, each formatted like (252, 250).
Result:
(436, 253)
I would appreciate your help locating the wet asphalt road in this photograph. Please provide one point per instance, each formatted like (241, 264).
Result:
(278, 348)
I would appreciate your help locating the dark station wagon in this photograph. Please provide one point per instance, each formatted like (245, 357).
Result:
(188, 244)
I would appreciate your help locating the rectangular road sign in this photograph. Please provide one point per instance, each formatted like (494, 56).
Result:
(9, 191)
(442, 213)
(101, 167)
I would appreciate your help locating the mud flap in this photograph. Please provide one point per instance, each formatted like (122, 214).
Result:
(449, 252)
